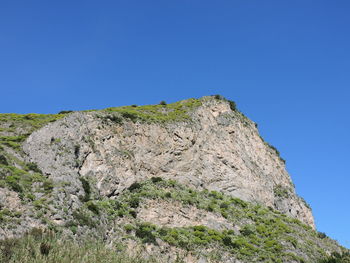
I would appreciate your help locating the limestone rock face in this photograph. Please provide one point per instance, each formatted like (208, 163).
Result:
(216, 148)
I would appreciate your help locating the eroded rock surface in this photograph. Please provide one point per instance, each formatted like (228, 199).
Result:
(174, 214)
(216, 149)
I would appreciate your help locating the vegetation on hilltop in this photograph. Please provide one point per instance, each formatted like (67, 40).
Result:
(15, 128)
(162, 112)
(25, 124)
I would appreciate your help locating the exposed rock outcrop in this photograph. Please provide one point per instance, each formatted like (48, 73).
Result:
(191, 181)
(217, 149)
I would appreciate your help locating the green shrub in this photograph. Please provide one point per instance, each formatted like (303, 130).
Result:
(65, 112)
(84, 218)
(211, 207)
(45, 248)
(224, 205)
(321, 235)
(129, 227)
(156, 179)
(216, 195)
(33, 167)
(274, 148)
(134, 186)
(87, 189)
(30, 196)
(114, 118)
(121, 213)
(133, 213)
(93, 207)
(48, 186)
(304, 202)
(232, 105)
(200, 228)
(134, 202)
(247, 230)
(229, 241)
(13, 182)
(230, 102)
(130, 115)
(146, 231)
(239, 202)
(3, 160)
(74, 229)
(273, 245)
(281, 191)
(76, 151)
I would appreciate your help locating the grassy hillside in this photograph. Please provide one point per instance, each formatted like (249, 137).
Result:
(263, 235)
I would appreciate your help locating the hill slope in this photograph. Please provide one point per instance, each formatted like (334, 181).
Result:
(190, 180)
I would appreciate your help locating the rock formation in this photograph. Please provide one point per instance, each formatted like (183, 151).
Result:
(67, 170)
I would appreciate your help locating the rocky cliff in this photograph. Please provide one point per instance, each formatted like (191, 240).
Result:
(216, 148)
(185, 165)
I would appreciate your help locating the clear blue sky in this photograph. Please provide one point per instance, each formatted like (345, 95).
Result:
(285, 63)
